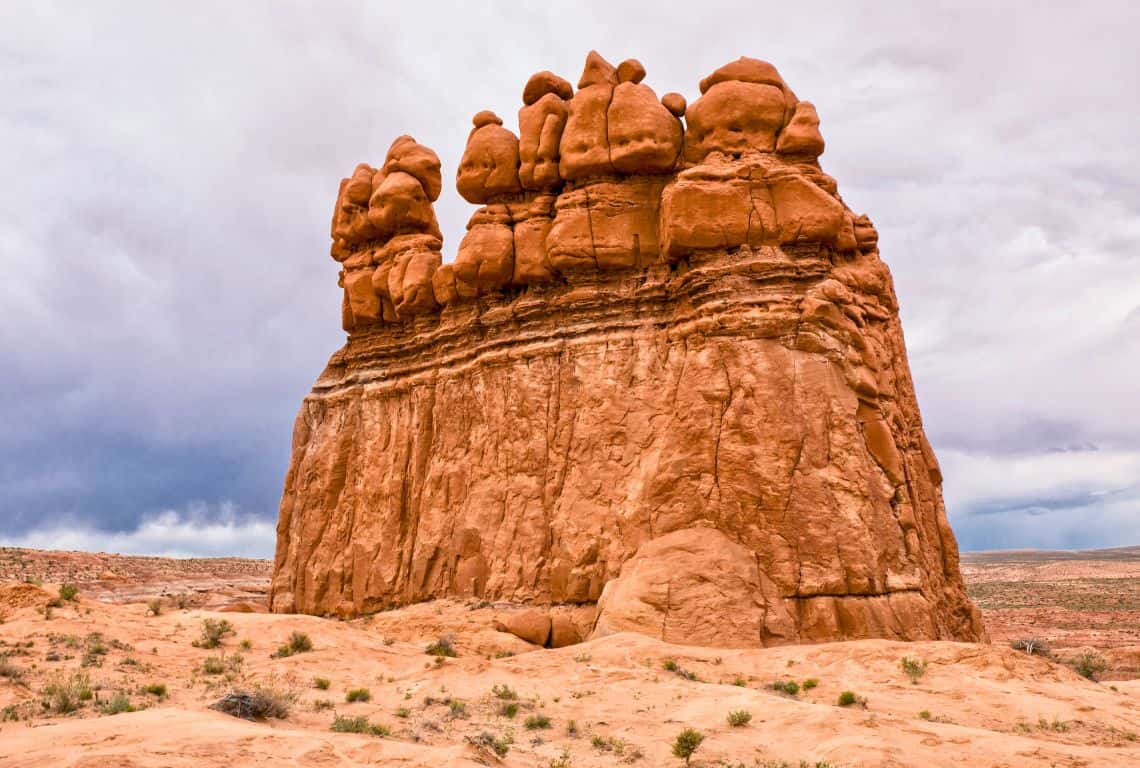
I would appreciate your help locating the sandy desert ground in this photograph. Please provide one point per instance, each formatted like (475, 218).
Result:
(618, 700)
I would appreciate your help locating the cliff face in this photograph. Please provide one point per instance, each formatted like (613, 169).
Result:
(664, 378)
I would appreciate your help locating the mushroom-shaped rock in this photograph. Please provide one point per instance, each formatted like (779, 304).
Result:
(743, 106)
(801, 135)
(359, 186)
(630, 71)
(486, 258)
(584, 150)
(675, 103)
(541, 123)
(644, 136)
(408, 155)
(400, 204)
(490, 163)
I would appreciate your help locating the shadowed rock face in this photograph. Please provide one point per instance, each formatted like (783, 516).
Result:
(677, 392)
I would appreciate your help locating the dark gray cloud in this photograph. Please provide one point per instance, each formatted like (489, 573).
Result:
(169, 174)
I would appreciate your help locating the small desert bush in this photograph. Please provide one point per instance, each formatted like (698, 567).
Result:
(154, 606)
(509, 708)
(158, 690)
(444, 646)
(403, 712)
(259, 703)
(9, 670)
(358, 694)
(321, 683)
(360, 724)
(500, 745)
(608, 744)
(687, 743)
(810, 683)
(671, 665)
(739, 718)
(1089, 665)
(537, 721)
(116, 705)
(10, 712)
(184, 600)
(913, 668)
(504, 692)
(214, 665)
(789, 687)
(849, 699)
(457, 708)
(1034, 646)
(213, 632)
(68, 592)
(66, 693)
(299, 642)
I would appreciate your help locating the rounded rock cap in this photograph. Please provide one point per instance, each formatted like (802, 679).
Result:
(542, 83)
(745, 70)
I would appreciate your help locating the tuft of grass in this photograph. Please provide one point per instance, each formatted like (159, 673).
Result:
(1089, 665)
(444, 646)
(213, 632)
(214, 665)
(687, 743)
(403, 712)
(789, 687)
(10, 671)
(66, 693)
(358, 694)
(739, 718)
(925, 714)
(154, 606)
(671, 665)
(359, 724)
(537, 721)
(299, 642)
(504, 692)
(321, 683)
(458, 709)
(117, 704)
(68, 592)
(509, 708)
(913, 668)
(10, 712)
(158, 690)
(572, 728)
(810, 683)
(500, 745)
(849, 699)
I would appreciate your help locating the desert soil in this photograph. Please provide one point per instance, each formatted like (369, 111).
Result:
(609, 702)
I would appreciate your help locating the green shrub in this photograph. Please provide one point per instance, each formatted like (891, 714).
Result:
(299, 642)
(810, 683)
(913, 668)
(66, 693)
(321, 683)
(359, 724)
(457, 708)
(116, 705)
(789, 687)
(504, 692)
(509, 709)
(500, 745)
(847, 699)
(1089, 665)
(213, 632)
(536, 721)
(156, 689)
(358, 694)
(740, 717)
(403, 712)
(444, 646)
(687, 743)
(68, 592)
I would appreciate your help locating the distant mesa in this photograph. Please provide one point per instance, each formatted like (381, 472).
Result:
(661, 388)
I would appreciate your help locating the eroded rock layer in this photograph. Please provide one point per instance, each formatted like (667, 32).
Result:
(664, 376)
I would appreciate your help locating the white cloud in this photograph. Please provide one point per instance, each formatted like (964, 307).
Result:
(200, 531)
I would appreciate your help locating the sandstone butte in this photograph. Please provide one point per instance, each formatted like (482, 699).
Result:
(662, 387)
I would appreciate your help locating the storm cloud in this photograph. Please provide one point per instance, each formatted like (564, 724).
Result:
(169, 173)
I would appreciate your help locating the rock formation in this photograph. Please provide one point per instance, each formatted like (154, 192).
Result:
(662, 387)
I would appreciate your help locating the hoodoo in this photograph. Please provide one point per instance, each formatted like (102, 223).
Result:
(662, 387)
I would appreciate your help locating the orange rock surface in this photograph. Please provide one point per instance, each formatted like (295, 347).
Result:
(664, 379)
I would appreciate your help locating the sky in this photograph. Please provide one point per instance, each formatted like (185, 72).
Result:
(168, 171)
